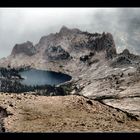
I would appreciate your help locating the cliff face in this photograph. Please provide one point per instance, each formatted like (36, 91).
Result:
(74, 41)
(55, 53)
(26, 48)
(66, 44)
(126, 58)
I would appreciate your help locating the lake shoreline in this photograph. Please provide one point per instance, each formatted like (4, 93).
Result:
(12, 80)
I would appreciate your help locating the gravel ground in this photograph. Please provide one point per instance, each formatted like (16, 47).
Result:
(29, 113)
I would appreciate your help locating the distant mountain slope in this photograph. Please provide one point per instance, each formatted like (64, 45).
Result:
(65, 45)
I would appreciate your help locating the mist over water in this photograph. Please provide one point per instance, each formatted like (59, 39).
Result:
(17, 25)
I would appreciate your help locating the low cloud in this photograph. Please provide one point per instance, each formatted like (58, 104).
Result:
(18, 25)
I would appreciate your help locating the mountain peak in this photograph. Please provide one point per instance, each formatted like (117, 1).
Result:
(126, 52)
(26, 48)
(64, 27)
(66, 30)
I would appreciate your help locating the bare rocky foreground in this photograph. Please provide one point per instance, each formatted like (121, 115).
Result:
(30, 113)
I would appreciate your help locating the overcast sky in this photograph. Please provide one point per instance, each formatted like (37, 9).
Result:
(18, 25)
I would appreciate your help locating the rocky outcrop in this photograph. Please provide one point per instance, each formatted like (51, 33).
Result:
(105, 43)
(56, 53)
(126, 58)
(130, 56)
(3, 114)
(26, 48)
(64, 31)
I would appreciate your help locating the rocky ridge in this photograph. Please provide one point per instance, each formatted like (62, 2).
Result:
(68, 45)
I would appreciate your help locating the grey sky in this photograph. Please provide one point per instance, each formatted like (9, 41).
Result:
(18, 25)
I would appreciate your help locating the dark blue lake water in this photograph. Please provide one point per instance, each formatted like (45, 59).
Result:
(40, 77)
